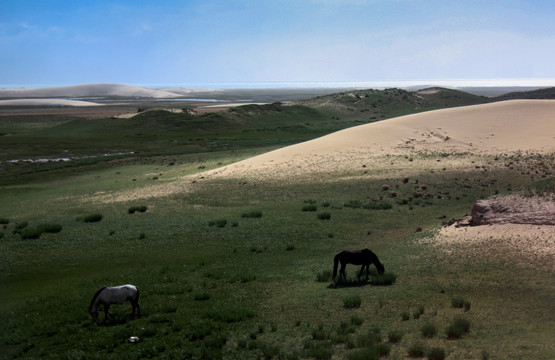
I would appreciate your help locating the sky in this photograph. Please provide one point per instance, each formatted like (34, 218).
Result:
(248, 41)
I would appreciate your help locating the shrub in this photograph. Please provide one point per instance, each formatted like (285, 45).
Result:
(92, 218)
(324, 216)
(324, 276)
(31, 233)
(202, 296)
(457, 302)
(50, 228)
(221, 223)
(4, 221)
(385, 279)
(252, 214)
(379, 205)
(395, 336)
(458, 328)
(368, 353)
(355, 320)
(310, 208)
(321, 350)
(436, 354)
(355, 204)
(417, 349)
(405, 316)
(134, 209)
(428, 330)
(352, 302)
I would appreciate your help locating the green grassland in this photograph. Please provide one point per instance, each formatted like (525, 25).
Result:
(240, 270)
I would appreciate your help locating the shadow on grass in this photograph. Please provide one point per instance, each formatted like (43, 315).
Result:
(385, 279)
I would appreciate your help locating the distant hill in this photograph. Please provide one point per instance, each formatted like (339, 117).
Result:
(89, 90)
(379, 104)
(548, 93)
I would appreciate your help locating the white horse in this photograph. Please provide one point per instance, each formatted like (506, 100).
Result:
(115, 295)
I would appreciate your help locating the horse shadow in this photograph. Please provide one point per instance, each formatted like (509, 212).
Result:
(349, 283)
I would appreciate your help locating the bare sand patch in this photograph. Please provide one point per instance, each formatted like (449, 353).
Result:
(531, 246)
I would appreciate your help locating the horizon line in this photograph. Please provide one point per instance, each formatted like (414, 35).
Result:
(502, 82)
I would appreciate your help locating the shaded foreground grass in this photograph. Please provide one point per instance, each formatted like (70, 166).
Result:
(251, 290)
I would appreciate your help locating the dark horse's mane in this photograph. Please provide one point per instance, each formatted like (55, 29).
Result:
(95, 296)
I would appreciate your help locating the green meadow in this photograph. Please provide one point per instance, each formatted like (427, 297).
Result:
(232, 269)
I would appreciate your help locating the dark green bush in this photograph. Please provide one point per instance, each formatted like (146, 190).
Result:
(436, 354)
(385, 279)
(203, 296)
(92, 218)
(379, 205)
(221, 223)
(134, 209)
(458, 328)
(310, 208)
(4, 221)
(324, 216)
(252, 214)
(31, 233)
(417, 349)
(324, 276)
(50, 228)
(352, 302)
(428, 330)
(395, 336)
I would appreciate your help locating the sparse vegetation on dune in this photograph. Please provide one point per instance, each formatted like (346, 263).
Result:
(241, 268)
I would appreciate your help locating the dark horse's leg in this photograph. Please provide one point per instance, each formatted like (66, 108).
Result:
(342, 271)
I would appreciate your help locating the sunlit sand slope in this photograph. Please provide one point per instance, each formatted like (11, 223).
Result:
(509, 126)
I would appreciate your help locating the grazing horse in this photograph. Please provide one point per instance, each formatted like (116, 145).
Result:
(363, 257)
(115, 295)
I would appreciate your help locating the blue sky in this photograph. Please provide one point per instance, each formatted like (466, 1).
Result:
(203, 41)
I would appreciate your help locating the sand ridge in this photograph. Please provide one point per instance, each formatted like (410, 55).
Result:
(495, 128)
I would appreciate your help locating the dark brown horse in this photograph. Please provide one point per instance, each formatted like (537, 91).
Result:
(363, 257)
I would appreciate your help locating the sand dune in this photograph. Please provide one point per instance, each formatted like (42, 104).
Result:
(46, 102)
(90, 90)
(509, 126)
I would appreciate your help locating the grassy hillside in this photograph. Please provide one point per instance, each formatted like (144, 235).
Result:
(241, 270)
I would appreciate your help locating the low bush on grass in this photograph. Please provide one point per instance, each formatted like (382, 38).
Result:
(324, 276)
(134, 209)
(221, 223)
(405, 316)
(395, 336)
(436, 353)
(417, 349)
(36, 232)
(93, 218)
(385, 279)
(379, 205)
(460, 302)
(428, 330)
(324, 216)
(458, 328)
(352, 302)
(4, 221)
(203, 296)
(321, 350)
(255, 214)
(310, 208)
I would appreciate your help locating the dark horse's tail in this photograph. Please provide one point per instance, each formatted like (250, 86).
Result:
(335, 264)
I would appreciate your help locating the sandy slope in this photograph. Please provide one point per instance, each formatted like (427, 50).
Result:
(525, 125)
(89, 90)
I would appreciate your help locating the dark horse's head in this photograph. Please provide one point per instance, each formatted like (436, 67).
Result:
(380, 267)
